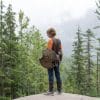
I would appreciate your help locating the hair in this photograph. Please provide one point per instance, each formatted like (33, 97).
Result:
(51, 31)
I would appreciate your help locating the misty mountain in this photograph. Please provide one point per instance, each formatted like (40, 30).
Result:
(69, 28)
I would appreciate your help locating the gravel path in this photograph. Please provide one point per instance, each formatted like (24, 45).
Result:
(63, 96)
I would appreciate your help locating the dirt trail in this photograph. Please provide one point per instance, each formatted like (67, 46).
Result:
(63, 96)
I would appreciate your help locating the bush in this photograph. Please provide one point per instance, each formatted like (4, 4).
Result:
(5, 98)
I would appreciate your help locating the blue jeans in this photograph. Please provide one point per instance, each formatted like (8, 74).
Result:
(57, 74)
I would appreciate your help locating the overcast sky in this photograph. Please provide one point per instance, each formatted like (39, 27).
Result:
(51, 12)
(54, 13)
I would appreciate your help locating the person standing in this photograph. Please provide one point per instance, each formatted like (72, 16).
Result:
(55, 45)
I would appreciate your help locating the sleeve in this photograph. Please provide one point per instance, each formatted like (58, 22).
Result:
(60, 44)
(50, 44)
(60, 53)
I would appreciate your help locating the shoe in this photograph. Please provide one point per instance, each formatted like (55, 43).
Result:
(59, 88)
(59, 92)
(49, 93)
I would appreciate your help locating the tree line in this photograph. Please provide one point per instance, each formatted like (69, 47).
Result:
(83, 76)
(84, 72)
(20, 49)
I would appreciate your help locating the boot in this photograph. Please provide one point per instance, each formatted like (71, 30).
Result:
(50, 91)
(59, 88)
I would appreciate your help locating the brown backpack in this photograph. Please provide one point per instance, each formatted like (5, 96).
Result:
(49, 57)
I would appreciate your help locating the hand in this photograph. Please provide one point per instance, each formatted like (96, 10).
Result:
(58, 57)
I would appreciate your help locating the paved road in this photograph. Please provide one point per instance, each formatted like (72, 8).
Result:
(64, 96)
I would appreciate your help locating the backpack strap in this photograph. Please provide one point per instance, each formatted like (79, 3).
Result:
(57, 47)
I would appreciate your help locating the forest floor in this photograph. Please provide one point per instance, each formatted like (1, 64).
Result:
(63, 96)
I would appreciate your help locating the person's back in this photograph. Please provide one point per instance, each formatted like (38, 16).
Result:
(54, 44)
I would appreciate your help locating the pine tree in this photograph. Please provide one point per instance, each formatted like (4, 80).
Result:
(98, 10)
(2, 45)
(78, 63)
(12, 48)
(23, 24)
(89, 37)
(23, 53)
(98, 50)
(98, 69)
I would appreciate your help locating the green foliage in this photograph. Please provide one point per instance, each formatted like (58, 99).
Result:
(20, 71)
(98, 53)
(81, 75)
(89, 38)
(5, 98)
(78, 68)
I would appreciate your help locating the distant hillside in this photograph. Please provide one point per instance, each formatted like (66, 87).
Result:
(69, 28)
